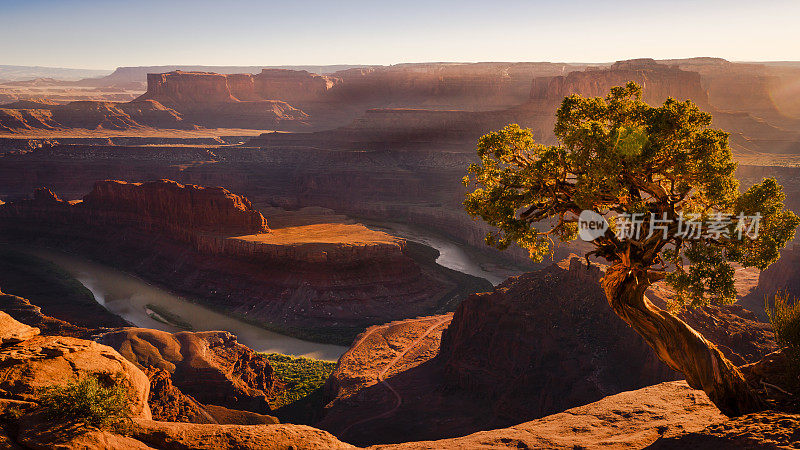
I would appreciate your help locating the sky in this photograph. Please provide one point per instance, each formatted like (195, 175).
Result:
(93, 34)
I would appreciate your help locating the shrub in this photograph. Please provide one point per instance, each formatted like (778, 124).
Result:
(97, 399)
(303, 376)
(785, 319)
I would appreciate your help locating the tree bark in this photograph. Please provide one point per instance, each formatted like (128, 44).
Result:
(677, 344)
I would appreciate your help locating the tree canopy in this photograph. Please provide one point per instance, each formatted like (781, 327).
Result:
(622, 158)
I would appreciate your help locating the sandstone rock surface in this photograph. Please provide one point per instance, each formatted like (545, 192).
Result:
(764, 430)
(13, 332)
(42, 361)
(169, 404)
(544, 342)
(538, 344)
(633, 419)
(211, 366)
(22, 310)
(213, 437)
(166, 204)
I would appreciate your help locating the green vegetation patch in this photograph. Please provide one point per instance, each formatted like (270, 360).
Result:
(303, 376)
(785, 319)
(99, 399)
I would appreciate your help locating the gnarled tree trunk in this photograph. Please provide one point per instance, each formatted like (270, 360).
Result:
(679, 345)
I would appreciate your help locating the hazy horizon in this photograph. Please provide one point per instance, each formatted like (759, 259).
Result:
(94, 35)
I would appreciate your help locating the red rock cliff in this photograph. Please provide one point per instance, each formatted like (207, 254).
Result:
(546, 341)
(169, 205)
(658, 81)
(187, 87)
(293, 86)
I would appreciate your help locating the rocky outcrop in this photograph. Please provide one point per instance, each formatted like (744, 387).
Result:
(13, 332)
(738, 111)
(633, 419)
(39, 361)
(554, 335)
(535, 318)
(170, 206)
(182, 88)
(297, 87)
(14, 120)
(169, 404)
(183, 212)
(22, 310)
(538, 344)
(479, 86)
(90, 115)
(218, 100)
(240, 437)
(766, 430)
(212, 366)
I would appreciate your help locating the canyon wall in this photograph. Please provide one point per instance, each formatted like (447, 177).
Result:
(169, 205)
(211, 366)
(539, 343)
(742, 104)
(315, 288)
(553, 339)
(188, 87)
(554, 335)
(291, 86)
(421, 188)
(479, 86)
(657, 81)
(223, 101)
(89, 115)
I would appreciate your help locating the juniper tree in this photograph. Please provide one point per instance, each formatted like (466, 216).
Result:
(622, 158)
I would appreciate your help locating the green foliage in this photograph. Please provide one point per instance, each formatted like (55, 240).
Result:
(303, 376)
(98, 399)
(785, 319)
(618, 155)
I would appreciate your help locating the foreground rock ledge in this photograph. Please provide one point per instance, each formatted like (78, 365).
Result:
(633, 419)
(43, 361)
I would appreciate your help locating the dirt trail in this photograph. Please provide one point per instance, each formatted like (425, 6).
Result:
(382, 373)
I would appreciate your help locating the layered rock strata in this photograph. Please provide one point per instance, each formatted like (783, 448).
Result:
(539, 343)
(212, 245)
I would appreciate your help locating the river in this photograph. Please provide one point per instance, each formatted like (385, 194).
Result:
(129, 296)
(451, 254)
(139, 302)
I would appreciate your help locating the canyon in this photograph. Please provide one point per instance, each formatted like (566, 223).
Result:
(315, 162)
(323, 282)
(540, 343)
(667, 415)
